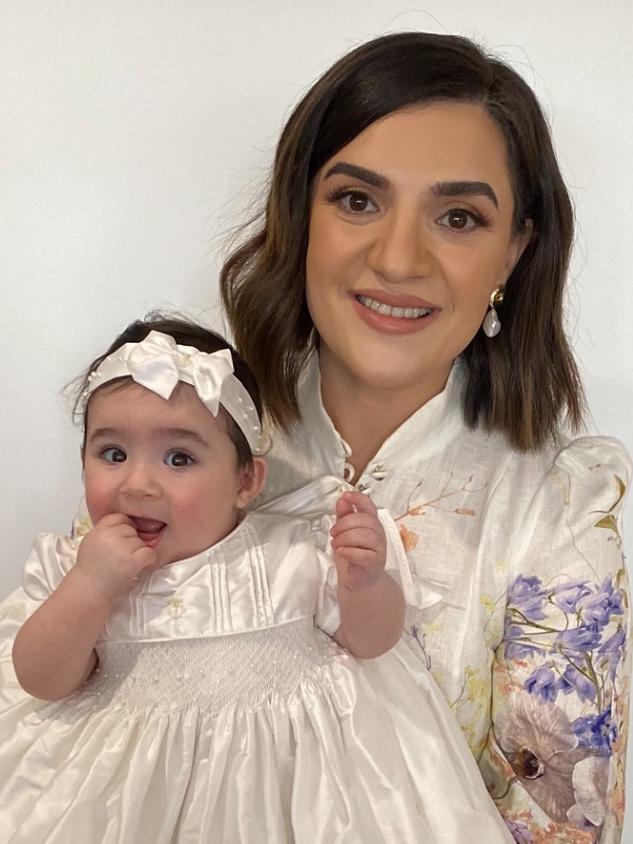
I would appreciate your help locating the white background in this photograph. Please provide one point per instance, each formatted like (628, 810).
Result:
(135, 134)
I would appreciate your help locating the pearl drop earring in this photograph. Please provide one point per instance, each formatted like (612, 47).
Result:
(492, 323)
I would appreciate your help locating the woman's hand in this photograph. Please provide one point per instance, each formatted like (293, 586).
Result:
(358, 542)
(112, 557)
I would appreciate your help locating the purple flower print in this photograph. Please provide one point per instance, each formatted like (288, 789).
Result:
(575, 681)
(581, 638)
(598, 607)
(613, 643)
(527, 595)
(566, 597)
(515, 646)
(613, 650)
(542, 682)
(519, 832)
(596, 732)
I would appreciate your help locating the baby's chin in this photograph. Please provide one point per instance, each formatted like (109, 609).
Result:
(177, 554)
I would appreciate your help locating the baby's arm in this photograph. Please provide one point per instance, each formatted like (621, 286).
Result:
(53, 653)
(371, 602)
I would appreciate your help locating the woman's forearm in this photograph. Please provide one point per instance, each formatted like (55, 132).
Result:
(53, 653)
(372, 618)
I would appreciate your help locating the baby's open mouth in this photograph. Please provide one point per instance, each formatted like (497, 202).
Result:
(149, 530)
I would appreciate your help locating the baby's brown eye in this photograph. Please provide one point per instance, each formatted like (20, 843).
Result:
(178, 459)
(113, 455)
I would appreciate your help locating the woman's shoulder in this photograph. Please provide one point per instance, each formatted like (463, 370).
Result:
(586, 463)
(587, 460)
(594, 453)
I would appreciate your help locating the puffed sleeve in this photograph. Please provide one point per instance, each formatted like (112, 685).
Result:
(50, 560)
(554, 760)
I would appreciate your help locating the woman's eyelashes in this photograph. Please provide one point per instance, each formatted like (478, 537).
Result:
(463, 220)
(356, 203)
(353, 201)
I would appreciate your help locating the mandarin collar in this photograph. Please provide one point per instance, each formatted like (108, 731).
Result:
(425, 433)
(172, 575)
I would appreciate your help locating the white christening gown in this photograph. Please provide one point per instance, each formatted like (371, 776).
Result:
(221, 711)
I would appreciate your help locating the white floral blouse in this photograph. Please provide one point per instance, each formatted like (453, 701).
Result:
(527, 637)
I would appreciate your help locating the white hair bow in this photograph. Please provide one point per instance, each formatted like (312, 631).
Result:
(158, 363)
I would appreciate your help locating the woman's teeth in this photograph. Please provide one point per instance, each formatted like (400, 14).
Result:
(387, 310)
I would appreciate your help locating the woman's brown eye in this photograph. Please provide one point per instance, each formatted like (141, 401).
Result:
(458, 219)
(357, 202)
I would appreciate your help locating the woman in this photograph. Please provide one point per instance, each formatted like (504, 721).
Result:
(401, 305)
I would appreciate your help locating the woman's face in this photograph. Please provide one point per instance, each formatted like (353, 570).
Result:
(410, 232)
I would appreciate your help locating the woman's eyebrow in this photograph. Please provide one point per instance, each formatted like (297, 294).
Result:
(465, 189)
(461, 188)
(370, 176)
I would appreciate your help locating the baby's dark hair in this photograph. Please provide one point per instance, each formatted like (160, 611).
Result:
(185, 333)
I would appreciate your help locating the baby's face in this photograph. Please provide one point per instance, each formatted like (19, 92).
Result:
(169, 465)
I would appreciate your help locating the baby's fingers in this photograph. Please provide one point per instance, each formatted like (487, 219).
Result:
(364, 558)
(358, 537)
(355, 502)
(144, 559)
(356, 520)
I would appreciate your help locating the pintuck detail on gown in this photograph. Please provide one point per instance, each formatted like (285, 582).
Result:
(221, 710)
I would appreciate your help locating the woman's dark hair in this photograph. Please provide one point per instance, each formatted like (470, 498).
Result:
(185, 333)
(521, 382)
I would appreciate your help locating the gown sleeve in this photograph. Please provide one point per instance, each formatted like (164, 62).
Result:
(555, 755)
(50, 558)
(49, 562)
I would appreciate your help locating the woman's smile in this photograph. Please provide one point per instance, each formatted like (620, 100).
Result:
(392, 314)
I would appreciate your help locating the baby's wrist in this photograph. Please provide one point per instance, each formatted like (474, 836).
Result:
(368, 583)
(89, 589)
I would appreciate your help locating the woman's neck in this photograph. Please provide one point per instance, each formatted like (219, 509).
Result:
(366, 415)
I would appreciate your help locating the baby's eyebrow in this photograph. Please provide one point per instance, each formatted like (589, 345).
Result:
(104, 433)
(182, 434)
(163, 433)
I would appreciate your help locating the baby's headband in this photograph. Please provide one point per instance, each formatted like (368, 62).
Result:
(158, 363)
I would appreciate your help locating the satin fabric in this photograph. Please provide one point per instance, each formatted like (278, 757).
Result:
(220, 712)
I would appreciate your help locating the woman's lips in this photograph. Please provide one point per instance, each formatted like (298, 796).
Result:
(393, 314)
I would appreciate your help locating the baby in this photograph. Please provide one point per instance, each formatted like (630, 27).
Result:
(187, 672)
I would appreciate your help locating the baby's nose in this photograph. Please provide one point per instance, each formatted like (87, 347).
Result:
(140, 482)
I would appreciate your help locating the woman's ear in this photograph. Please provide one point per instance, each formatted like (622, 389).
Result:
(517, 247)
(252, 481)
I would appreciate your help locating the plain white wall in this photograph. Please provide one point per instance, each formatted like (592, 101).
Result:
(134, 134)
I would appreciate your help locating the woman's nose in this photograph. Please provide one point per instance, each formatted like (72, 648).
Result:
(401, 251)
